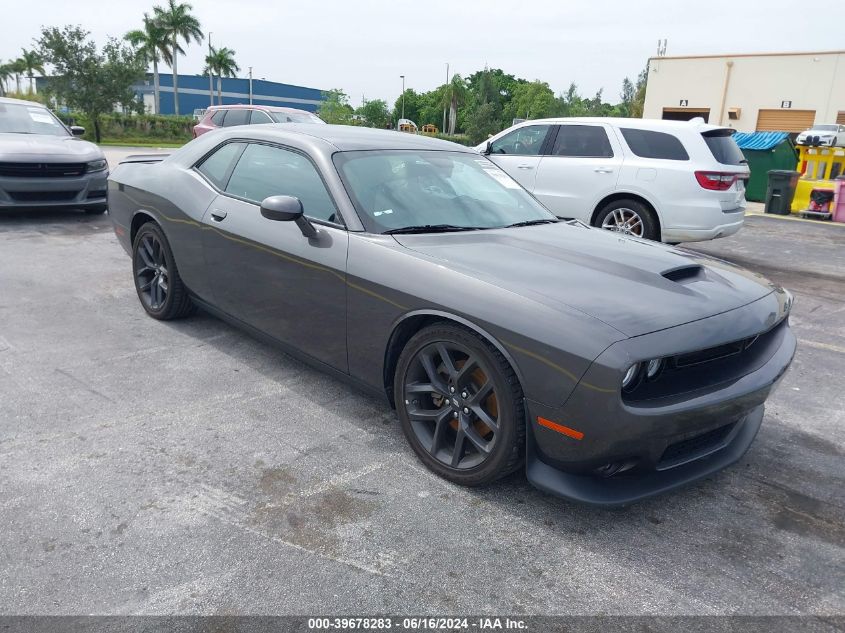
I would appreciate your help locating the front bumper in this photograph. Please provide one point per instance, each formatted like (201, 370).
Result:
(87, 190)
(664, 442)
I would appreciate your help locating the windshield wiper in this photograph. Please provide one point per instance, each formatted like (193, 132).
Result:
(531, 223)
(431, 228)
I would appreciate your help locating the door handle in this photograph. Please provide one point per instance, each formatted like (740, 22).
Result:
(603, 170)
(525, 167)
(218, 215)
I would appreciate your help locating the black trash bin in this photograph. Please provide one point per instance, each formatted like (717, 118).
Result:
(781, 190)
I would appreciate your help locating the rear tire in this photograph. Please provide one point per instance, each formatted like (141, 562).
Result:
(157, 282)
(630, 217)
(460, 405)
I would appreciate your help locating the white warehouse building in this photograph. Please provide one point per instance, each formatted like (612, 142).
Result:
(786, 92)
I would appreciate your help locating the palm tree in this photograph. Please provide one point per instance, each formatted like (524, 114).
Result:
(452, 95)
(221, 61)
(31, 62)
(18, 68)
(5, 74)
(178, 23)
(153, 44)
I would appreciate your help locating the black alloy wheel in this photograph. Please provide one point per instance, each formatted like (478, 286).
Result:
(460, 405)
(157, 281)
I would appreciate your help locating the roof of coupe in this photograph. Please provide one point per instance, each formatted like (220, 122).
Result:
(345, 138)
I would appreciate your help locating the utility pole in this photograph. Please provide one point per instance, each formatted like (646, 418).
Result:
(444, 107)
(403, 95)
(250, 85)
(210, 75)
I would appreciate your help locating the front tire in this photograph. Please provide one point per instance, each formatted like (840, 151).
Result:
(157, 281)
(630, 217)
(460, 405)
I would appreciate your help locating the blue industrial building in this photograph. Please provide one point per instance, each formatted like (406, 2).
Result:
(194, 93)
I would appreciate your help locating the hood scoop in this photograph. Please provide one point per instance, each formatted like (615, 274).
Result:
(684, 274)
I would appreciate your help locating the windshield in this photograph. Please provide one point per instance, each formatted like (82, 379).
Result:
(295, 117)
(396, 189)
(20, 118)
(826, 128)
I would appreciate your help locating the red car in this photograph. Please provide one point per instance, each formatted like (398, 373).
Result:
(231, 115)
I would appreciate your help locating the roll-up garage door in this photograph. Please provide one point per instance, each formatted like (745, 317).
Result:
(840, 117)
(785, 120)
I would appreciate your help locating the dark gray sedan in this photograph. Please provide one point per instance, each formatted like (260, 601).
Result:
(43, 164)
(611, 367)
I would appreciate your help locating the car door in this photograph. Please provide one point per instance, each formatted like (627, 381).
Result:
(581, 168)
(266, 273)
(518, 152)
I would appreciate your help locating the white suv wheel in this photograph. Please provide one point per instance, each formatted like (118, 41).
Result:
(625, 221)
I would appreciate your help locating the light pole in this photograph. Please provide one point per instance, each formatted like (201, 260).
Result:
(402, 77)
(250, 85)
(210, 75)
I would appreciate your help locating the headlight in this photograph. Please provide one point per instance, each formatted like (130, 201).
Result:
(653, 368)
(96, 165)
(630, 375)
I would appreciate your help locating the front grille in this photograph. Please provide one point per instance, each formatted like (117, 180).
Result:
(42, 196)
(41, 170)
(696, 445)
(714, 353)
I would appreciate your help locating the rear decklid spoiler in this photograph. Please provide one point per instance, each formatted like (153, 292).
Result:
(144, 158)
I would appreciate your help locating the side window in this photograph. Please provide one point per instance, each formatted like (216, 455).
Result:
(649, 144)
(236, 117)
(526, 141)
(218, 165)
(258, 116)
(264, 171)
(585, 141)
(218, 117)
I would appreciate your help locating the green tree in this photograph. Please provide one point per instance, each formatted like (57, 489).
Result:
(638, 103)
(335, 108)
(412, 106)
(482, 123)
(374, 113)
(221, 62)
(153, 44)
(534, 100)
(178, 23)
(31, 63)
(89, 80)
(627, 97)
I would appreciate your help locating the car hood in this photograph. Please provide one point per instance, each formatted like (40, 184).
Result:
(633, 285)
(28, 147)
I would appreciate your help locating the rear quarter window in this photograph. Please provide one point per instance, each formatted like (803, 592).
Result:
(217, 167)
(724, 149)
(217, 119)
(651, 144)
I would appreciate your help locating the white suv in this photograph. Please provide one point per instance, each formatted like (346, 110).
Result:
(675, 181)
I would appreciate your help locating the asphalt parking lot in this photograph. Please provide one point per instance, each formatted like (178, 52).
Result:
(184, 467)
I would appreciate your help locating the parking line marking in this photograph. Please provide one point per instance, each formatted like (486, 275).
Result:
(825, 346)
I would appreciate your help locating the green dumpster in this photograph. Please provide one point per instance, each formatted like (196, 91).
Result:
(764, 152)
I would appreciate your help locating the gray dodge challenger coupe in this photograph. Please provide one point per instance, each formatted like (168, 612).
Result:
(44, 165)
(612, 368)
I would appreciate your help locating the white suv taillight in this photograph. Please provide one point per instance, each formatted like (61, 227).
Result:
(715, 180)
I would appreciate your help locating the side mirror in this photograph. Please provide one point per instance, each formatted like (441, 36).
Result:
(287, 209)
(77, 130)
(488, 149)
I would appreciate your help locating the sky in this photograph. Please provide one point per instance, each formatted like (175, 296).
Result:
(363, 46)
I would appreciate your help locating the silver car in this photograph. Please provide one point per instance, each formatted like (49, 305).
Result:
(43, 164)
